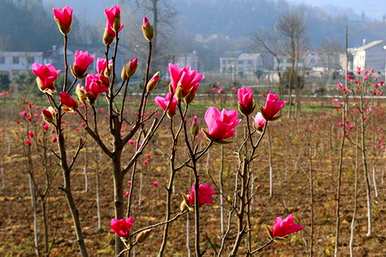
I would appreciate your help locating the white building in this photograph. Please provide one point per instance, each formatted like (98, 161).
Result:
(246, 64)
(228, 64)
(190, 59)
(369, 55)
(285, 63)
(12, 63)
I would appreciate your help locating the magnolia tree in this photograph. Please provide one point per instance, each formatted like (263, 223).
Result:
(125, 130)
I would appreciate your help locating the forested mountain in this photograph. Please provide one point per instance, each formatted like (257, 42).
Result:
(22, 28)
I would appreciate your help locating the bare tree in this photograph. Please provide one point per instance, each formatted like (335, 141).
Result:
(292, 27)
(162, 14)
(270, 43)
(330, 50)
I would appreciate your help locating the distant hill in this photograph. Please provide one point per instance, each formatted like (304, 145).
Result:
(241, 18)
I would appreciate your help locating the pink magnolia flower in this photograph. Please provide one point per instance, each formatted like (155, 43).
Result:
(45, 126)
(63, 18)
(205, 195)
(358, 70)
(67, 101)
(163, 103)
(343, 88)
(126, 194)
(113, 18)
(27, 141)
(155, 183)
(54, 139)
(186, 79)
(260, 121)
(81, 63)
(245, 100)
(122, 227)
(285, 227)
(221, 125)
(101, 65)
(46, 76)
(30, 134)
(272, 106)
(49, 114)
(26, 115)
(95, 85)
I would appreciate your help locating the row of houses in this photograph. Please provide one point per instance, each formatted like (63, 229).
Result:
(14, 63)
(368, 55)
(241, 65)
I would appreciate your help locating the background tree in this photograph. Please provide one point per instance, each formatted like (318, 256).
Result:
(292, 27)
(162, 15)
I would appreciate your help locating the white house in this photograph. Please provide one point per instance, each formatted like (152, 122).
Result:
(246, 64)
(228, 64)
(285, 63)
(190, 59)
(12, 63)
(369, 55)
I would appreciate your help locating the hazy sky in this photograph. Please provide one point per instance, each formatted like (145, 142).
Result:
(375, 8)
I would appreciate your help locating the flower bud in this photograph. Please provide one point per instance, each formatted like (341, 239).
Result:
(179, 93)
(108, 36)
(129, 69)
(141, 237)
(63, 18)
(194, 129)
(153, 82)
(81, 94)
(67, 101)
(147, 29)
(49, 114)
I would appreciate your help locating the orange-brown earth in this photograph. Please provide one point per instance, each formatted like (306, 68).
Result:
(292, 141)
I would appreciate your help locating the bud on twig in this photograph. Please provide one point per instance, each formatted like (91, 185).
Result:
(153, 82)
(147, 29)
(141, 237)
(195, 128)
(129, 69)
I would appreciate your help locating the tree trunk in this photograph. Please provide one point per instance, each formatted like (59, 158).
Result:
(118, 198)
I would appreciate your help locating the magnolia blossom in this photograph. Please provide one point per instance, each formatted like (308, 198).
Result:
(221, 124)
(260, 121)
(245, 100)
(272, 106)
(205, 195)
(26, 115)
(67, 101)
(169, 103)
(81, 63)
(45, 126)
(95, 85)
(46, 75)
(63, 18)
(343, 88)
(185, 81)
(122, 227)
(113, 18)
(49, 114)
(285, 227)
